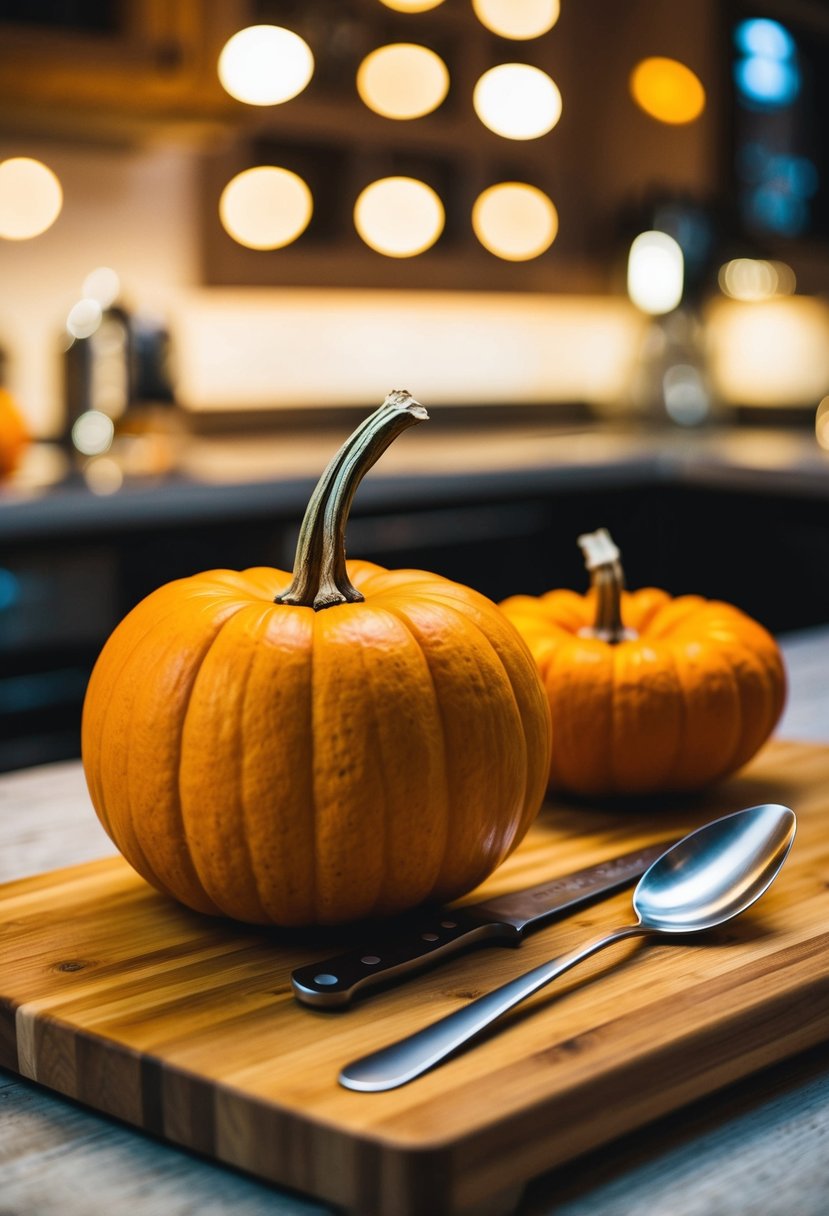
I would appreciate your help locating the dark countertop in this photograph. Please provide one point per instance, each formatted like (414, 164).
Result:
(270, 474)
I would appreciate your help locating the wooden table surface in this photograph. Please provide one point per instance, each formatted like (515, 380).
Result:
(759, 1148)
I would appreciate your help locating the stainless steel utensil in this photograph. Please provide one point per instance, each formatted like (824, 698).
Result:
(444, 932)
(710, 876)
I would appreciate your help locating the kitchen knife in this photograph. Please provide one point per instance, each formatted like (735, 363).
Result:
(334, 982)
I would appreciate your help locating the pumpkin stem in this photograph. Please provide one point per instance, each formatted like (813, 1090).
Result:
(320, 577)
(603, 561)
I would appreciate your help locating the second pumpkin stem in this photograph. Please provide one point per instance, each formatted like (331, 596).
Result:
(603, 561)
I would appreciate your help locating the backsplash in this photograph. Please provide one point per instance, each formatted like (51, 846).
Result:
(135, 209)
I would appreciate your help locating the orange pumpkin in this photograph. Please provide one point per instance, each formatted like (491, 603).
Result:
(14, 436)
(352, 745)
(648, 693)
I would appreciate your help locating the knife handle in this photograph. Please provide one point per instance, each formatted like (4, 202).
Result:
(334, 981)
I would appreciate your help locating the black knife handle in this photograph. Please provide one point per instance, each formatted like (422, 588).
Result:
(334, 981)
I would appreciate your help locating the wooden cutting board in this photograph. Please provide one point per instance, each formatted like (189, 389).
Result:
(186, 1026)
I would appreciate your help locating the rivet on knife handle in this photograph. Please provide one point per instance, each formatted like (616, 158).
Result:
(333, 982)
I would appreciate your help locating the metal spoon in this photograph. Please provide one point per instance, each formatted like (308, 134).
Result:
(710, 876)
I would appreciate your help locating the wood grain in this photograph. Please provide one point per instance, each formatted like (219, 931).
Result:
(186, 1027)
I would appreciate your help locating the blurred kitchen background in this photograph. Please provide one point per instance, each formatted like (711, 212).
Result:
(591, 237)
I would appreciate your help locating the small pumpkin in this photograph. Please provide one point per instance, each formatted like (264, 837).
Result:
(648, 693)
(14, 436)
(349, 745)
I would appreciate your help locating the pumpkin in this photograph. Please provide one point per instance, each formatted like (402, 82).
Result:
(343, 744)
(648, 693)
(14, 436)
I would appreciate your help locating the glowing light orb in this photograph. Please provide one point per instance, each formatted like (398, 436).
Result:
(103, 285)
(765, 38)
(399, 216)
(519, 19)
(403, 80)
(84, 318)
(667, 90)
(31, 198)
(514, 221)
(411, 6)
(265, 207)
(265, 65)
(93, 432)
(517, 101)
(656, 272)
(750, 279)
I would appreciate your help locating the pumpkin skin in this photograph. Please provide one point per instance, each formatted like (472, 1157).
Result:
(686, 702)
(14, 437)
(281, 765)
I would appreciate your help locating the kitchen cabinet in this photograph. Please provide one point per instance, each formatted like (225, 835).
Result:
(105, 71)
(593, 164)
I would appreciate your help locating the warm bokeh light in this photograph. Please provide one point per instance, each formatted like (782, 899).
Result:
(399, 216)
(411, 6)
(667, 90)
(517, 101)
(464, 347)
(104, 475)
(656, 272)
(265, 65)
(93, 432)
(402, 80)
(822, 423)
(84, 318)
(265, 207)
(514, 221)
(769, 352)
(756, 279)
(30, 198)
(103, 285)
(517, 18)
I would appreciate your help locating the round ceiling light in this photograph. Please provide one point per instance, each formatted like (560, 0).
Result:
(265, 207)
(518, 19)
(517, 101)
(667, 90)
(515, 221)
(402, 80)
(265, 65)
(399, 216)
(30, 198)
(411, 6)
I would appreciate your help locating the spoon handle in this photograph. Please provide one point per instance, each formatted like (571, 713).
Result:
(406, 1059)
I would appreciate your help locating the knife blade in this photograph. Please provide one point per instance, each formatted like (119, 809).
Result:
(334, 982)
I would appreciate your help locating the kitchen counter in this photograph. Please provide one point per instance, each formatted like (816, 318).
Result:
(236, 476)
(758, 1147)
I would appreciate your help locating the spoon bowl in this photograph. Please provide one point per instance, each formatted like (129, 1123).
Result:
(706, 879)
(715, 873)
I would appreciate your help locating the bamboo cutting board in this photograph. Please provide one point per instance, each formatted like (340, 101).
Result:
(186, 1026)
